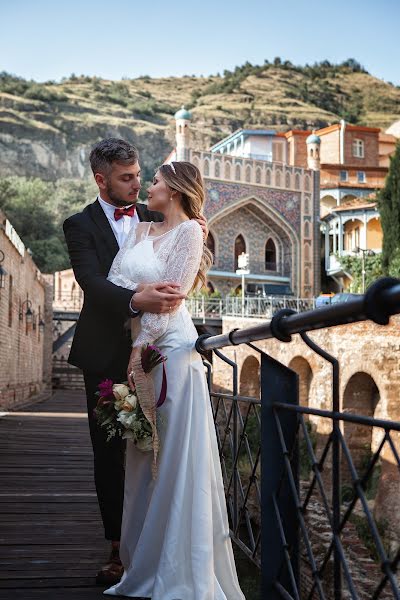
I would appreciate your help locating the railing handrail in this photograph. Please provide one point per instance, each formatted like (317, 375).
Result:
(381, 300)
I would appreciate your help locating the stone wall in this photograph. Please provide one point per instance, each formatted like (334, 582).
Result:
(369, 384)
(25, 348)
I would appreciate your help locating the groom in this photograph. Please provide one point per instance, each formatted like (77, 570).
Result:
(101, 346)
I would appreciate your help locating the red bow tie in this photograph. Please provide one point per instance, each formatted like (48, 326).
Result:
(124, 212)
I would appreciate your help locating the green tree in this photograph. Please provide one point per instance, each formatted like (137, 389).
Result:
(389, 208)
(353, 266)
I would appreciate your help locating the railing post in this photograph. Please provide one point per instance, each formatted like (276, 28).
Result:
(277, 383)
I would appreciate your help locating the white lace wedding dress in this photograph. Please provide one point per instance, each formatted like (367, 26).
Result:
(175, 542)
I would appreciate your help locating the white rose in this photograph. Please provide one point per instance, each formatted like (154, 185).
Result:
(120, 391)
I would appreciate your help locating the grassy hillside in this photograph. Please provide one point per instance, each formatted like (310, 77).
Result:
(47, 128)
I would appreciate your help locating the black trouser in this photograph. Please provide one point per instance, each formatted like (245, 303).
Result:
(109, 456)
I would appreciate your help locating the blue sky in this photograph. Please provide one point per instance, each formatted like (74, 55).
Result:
(44, 39)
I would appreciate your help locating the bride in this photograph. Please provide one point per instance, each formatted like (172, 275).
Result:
(175, 542)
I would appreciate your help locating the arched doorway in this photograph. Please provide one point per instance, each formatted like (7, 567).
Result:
(250, 377)
(361, 396)
(240, 248)
(302, 367)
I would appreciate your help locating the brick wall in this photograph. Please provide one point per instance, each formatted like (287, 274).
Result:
(24, 349)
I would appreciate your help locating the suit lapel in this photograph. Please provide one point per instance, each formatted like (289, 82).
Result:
(99, 217)
(142, 212)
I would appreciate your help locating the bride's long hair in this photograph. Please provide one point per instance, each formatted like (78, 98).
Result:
(186, 179)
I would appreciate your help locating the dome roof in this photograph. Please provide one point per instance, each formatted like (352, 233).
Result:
(313, 139)
(183, 114)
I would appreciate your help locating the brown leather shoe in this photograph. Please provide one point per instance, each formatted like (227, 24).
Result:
(111, 573)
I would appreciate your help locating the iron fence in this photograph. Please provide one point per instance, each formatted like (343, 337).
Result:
(262, 443)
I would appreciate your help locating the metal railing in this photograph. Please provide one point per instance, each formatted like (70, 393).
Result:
(271, 508)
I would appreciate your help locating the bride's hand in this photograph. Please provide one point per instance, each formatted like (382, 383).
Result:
(135, 354)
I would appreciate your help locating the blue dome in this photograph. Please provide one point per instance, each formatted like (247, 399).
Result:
(183, 114)
(313, 139)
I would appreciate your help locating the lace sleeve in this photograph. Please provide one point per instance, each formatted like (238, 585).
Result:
(115, 275)
(182, 267)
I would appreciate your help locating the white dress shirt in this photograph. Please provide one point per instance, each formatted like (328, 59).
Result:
(121, 227)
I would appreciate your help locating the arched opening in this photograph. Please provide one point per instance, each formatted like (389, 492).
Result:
(297, 181)
(302, 367)
(311, 152)
(270, 255)
(240, 247)
(210, 243)
(248, 174)
(278, 178)
(250, 377)
(287, 180)
(307, 183)
(327, 204)
(206, 168)
(217, 169)
(227, 174)
(258, 175)
(237, 173)
(268, 177)
(307, 252)
(210, 287)
(306, 229)
(361, 396)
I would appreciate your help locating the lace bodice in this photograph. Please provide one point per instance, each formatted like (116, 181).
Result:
(173, 256)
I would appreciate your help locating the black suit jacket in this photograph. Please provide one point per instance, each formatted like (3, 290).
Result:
(101, 337)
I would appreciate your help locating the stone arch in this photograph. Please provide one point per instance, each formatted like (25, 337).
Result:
(303, 369)
(250, 377)
(227, 170)
(240, 247)
(258, 175)
(270, 255)
(307, 229)
(311, 152)
(306, 276)
(278, 178)
(307, 252)
(297, 181)
(206, 167)
(307, 183)
(361, 396)
(248, 174)
(217, 169)
(306, 205)
(238, 173)
(328, 202)
(288, 182)
(268, 177)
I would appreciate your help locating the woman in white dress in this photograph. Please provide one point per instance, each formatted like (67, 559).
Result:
(175, 542)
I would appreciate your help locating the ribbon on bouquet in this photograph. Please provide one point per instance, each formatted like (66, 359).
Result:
(163, 393)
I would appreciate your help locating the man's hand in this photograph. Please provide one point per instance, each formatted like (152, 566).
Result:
(203, 224)
(157, 297)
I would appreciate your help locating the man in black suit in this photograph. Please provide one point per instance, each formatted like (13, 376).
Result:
(102, 345)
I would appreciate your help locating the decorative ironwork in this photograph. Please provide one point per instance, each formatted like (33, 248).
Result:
(272, 517)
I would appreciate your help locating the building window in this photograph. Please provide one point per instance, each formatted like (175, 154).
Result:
(258, 175)
(240, 247)
(278, 178)
(361, 178)
(248, 174)
(306, 229)
(268, 177)
(358, 148)
(287, 180)
(344, 176)
(217, 169)
(237, 173)
(270, 256)
(210, 243)
(227, 170)
(206, 168)
(307, 184)
(297, 181)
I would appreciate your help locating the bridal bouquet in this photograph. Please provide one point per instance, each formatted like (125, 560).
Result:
(119, 410)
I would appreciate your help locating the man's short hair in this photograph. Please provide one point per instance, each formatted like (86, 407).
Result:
(110, 150)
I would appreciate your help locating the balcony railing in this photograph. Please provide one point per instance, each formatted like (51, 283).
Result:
(271, 508)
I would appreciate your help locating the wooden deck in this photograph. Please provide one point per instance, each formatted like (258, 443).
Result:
(51, 536)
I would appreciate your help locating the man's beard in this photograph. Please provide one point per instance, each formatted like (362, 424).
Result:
(116, 200)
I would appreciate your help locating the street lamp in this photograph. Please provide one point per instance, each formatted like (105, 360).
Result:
(3, 272)
(364, 252)
(28, 313)
(243, 263)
